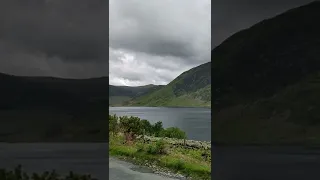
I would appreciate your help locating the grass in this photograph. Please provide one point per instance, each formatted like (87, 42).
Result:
(188, 162)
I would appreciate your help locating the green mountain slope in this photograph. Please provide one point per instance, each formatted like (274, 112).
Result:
(119, 95)
(191, 89)
(266, 88)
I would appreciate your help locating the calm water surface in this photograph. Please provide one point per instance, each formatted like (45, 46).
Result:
(196, 122)
(83, 158)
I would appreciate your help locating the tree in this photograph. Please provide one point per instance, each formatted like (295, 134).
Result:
(157, 128)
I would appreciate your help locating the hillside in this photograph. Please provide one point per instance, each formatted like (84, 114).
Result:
(53, 109)
(267, 81)
(119, 95)
(191, 89)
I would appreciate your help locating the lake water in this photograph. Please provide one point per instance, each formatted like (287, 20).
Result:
(196, 122)
(82, 158)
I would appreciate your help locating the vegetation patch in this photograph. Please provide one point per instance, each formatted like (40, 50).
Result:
(130, 138)
(19, 174)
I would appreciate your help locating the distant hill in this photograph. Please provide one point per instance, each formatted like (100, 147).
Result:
(267, 81)
(53, 109)
(191, 89)
(120, 95)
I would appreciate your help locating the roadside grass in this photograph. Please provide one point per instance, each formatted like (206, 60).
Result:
(188, 162)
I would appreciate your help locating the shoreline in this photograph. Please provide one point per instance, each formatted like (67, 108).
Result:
(205, 107)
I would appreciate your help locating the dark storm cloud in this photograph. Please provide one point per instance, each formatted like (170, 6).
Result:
(231, 16)
(74, 33)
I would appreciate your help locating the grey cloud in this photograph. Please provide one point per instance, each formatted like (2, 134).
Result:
(161, 28)
(231, 16)
(73, 32)
(155, 41)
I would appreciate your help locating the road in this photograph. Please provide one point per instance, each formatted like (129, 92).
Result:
(261, 163)
(119, 170)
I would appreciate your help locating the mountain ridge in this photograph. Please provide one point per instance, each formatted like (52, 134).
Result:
(190, 89)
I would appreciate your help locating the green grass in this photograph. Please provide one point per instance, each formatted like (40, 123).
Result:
(185, 161)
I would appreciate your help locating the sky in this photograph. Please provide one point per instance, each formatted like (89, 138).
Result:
(152, 42)
(60, 38)
(135, 42)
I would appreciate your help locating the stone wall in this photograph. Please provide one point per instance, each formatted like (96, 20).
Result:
(192, 144)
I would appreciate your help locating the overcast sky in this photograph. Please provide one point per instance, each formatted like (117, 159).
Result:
(149, 41)
(152, 42)
(62, 38)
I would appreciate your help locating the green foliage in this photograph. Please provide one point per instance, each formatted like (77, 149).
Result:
(113, 123)
(18, 174)
(137, 126)
(156, 147)
(130, 125)
(157, 128)
(173, 132)
(147, 127)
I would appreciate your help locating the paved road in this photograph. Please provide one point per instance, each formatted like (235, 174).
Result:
(261, 163)
(119, 170)
(88, 158)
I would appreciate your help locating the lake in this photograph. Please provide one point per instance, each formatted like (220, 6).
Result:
(82, 158)
(265, 163)
(196, 122)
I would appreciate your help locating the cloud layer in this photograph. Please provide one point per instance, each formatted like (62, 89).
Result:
(231, 16)
(152, 42)
(63, 38)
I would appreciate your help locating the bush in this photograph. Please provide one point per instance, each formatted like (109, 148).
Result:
(157, 128)
(147, 127)
(113, 124)
(18, 174)
(173, 132)
(156, 148)
(133, 126)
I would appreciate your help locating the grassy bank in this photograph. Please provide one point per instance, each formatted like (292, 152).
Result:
(193, 163)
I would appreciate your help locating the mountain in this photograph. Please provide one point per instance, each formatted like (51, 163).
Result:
(53, 109)
(119, 95)
(267, 81)
(192, 88)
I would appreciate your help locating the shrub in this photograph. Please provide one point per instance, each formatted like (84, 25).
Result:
(173, 132)
(147, 127)
(131, 126)
(18, 174)
(156, 148)
(157, 128)
(113, 123)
